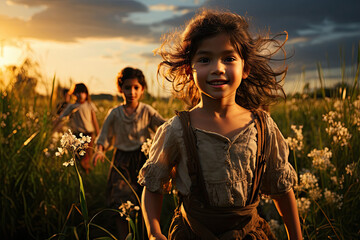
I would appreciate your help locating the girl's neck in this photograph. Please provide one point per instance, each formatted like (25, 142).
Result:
(221, 108)
(131, 105)
(130, 108)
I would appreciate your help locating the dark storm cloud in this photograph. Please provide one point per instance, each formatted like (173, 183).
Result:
(317, 29)
(324, 27)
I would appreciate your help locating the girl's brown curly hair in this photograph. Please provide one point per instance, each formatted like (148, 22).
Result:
(260, 88)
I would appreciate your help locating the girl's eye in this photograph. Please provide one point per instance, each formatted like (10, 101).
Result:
(203, 60)
(229, 59)
(136, 88)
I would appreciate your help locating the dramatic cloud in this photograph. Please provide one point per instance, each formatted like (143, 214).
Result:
(74, 19)
(317, 29)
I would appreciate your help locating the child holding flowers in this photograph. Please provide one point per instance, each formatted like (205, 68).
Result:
(82, 119)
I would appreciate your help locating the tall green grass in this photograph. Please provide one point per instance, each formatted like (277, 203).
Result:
(40, 197)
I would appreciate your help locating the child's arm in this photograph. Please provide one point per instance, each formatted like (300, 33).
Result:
(286, 205)
(151, 204)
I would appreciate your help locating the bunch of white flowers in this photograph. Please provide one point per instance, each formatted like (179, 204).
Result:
(356, 119)
(69, 142)
(308, 181)
(126, 208)
(303, 205)
(336, 129)
(296, 143)
(321, 158)
(333, 198)
(145, 147)
(351, 168)
(309, 184)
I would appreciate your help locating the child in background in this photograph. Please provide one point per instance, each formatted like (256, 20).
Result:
(131, 124)
(82, 119)
(218, 149)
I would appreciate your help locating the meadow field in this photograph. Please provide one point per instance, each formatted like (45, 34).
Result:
(43, 199)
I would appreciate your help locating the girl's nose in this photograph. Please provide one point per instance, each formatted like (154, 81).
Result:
(218, 68)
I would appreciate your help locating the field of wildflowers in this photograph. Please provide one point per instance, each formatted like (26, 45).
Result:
(46, 196)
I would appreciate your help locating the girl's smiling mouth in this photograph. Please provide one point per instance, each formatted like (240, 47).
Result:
(217, 82)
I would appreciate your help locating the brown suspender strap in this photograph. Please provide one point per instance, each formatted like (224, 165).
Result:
(260, 155)
(197, 180)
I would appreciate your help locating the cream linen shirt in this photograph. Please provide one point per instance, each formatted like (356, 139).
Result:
(228, 165)
(80, 117)
(129, 132)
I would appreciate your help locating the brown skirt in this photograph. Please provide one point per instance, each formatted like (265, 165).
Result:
(193, 222)
(129, 164)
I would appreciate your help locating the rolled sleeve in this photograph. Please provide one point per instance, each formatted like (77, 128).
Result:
(163, 156)
(279, 176)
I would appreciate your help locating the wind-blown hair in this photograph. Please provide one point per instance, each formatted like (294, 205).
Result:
(260, 88)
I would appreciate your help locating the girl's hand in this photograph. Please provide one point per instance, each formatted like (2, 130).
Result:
(157, 236)
(99, 155)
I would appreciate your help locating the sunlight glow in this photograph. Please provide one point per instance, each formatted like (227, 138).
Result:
(9, 55)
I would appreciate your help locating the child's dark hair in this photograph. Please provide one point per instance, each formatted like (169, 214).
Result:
(130, 73)
(178, 49)
(79, 88)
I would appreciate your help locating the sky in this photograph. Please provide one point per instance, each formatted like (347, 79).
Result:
(90, 41)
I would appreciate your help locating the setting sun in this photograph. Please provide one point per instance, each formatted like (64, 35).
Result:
(9, 55)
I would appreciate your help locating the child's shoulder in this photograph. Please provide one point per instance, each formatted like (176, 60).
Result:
(271, 125)
(115, 109)
(147, 107)
(173, 124)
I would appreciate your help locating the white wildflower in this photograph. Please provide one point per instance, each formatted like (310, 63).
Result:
(341, 181)
(333, 198)
(274, 225)
(350, 168)
(69, 142)
(315, 193)
(296, 143)
(145, 147)
(308, 181)
(338, 105)
(356, 121)
(71, 162)
(82, 152)
(321, 158)
(334, 180)
(303, 205)
(126, 208)
(336, 129)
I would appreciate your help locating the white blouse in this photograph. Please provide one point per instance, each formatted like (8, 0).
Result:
(228, 165)
(129, 132)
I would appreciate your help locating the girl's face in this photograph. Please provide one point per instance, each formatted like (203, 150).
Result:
(132, 90)
(217, 68)
(81, 97)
